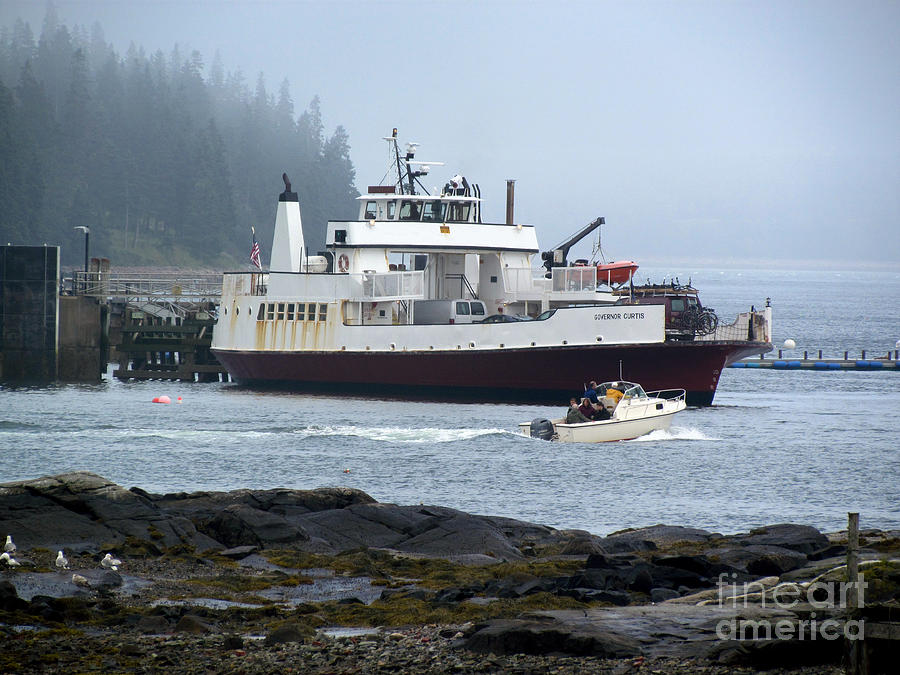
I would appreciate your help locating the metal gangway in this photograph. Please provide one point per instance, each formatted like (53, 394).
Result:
(130, 286)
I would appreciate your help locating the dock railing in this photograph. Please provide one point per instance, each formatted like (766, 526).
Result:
(173, 285)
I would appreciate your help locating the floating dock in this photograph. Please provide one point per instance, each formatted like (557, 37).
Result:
(888, 362)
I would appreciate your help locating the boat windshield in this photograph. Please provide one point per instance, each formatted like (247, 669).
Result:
(637, 391)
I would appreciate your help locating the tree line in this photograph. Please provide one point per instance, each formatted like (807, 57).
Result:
(168, 164)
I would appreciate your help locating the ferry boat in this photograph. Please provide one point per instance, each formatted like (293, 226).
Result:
(419, 296)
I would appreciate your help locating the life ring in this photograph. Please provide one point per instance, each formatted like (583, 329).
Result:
(343, 262)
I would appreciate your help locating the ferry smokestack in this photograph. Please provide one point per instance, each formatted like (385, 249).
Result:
(510, 200)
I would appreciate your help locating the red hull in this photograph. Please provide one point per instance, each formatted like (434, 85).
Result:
(549, 374)
(616, 272)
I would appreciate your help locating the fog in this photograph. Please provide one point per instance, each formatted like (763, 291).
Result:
(702, 131)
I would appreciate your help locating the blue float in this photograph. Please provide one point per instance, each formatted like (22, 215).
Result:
(794, 364)
(876, 364)
(738, 364)
(834, 366)
(752, 364)
(779, 364)
(820, 365)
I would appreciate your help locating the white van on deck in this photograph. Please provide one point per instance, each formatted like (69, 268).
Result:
(448, 311)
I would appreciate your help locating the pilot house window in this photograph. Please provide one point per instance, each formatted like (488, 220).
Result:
(409, 210)
(458, 212)
(433, 211)
(370, 211)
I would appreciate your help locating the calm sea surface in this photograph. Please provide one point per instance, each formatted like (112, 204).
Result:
(803, 447)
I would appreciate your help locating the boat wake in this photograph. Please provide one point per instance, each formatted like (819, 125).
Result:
(400, 434)
(675, 434)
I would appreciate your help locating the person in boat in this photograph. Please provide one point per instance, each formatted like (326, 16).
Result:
(615, 393)
(591, 392)
(586, 408)
(599, 412)
(574, 415)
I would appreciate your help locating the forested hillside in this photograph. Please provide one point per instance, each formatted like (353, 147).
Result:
(169, 160)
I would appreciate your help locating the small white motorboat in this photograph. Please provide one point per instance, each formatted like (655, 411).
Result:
(633, 413)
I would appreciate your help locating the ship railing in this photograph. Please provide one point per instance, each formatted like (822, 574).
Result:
(578, 279)
(371, 286)
(752, 326)
(368, 286)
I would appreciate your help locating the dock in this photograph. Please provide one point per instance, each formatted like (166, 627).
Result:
(157, 348)
(888, 362)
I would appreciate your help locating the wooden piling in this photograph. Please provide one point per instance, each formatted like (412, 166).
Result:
(156, 348)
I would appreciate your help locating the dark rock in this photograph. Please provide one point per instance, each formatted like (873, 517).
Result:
(801, 538)
(760, 560)
(9, 597)
(698, 564)
(403, 593)
(640, 579)
(450, 595)
(107, 580)
(233, 642)
(654, 537)
(291, 632)
(131, 649)
(601, 561)
(238, 552)
(673, 577)
(80, 511)
(152, 625)
(663, 594)
(190, 623)
(583, 546)
(781, 654)
(618, 598)
(240, 525)
(352, 600)
(833, 551)
(536, 636)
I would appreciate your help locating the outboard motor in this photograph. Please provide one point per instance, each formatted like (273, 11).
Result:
(542, 428)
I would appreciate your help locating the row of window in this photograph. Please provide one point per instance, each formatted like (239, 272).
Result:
(430, 211)
(292, 311)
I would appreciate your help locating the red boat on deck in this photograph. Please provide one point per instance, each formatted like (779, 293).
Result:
(618, 272)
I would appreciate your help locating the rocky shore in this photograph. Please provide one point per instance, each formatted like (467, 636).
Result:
(330, 581)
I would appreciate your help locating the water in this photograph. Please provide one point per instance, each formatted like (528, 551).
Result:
(803, 447)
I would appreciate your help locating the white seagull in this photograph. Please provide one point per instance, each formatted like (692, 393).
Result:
(10, 546)
(62, 562)
(110, 563)
(5, 557)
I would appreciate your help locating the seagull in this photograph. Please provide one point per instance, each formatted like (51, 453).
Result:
(79, 580)
(110, 563)
(62, 562)
(10, 546)
(5, 557)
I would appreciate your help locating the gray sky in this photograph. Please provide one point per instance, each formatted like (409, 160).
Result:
(702, 131)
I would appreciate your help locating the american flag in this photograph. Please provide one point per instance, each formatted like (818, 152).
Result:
(254, 251)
